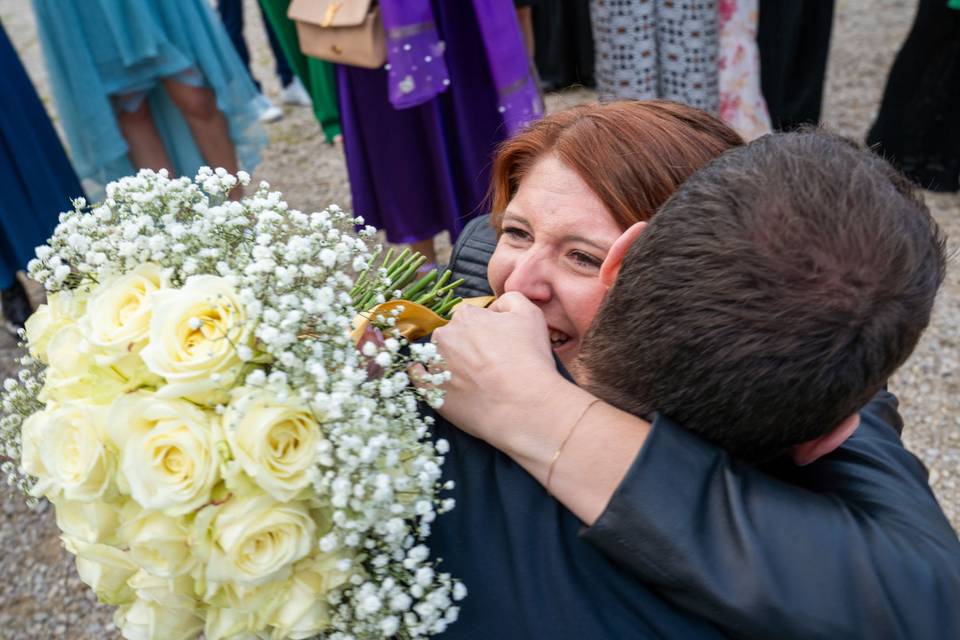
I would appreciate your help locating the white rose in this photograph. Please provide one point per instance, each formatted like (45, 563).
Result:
(119, 310)
(274, 441)
(193, 339)
(146, 620)
(31, 463)
(241, 607)
(230, 624)
(104, 569)
(74, 374)
(158, 543)
(63, 308)
(255, 539)
(306, 612)
(168, 451)
(65, 450)
(90, 522)
(177, 593)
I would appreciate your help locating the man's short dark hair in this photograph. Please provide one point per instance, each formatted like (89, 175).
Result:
(771, 296)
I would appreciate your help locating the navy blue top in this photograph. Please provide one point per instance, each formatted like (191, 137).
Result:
(527, 571)
(36, 179)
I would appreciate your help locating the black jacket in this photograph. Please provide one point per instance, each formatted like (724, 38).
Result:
(852, 546)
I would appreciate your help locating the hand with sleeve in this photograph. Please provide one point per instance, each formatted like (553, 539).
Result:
(505, 389)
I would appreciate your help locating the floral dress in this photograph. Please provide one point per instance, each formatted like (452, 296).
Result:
(741, 101)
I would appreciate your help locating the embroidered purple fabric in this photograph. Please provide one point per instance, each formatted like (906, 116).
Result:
(417, 72)
(519, 96)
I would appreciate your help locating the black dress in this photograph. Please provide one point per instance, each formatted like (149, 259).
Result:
(918, 127)
(563, 43)
(793, 37)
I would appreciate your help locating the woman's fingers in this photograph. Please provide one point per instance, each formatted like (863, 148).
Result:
(417, 373)
(514, 302)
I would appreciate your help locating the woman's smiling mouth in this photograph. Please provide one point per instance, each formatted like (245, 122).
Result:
(558, 338)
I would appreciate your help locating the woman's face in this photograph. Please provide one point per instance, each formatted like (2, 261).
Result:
(556, 233)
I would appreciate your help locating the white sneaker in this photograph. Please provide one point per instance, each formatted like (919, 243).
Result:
(295, 94)
(270, 111)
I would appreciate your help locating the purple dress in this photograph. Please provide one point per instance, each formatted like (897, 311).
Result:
(419, 171)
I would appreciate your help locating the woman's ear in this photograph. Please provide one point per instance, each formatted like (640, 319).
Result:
(611, 264)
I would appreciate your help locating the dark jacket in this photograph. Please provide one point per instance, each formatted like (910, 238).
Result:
(852, 546)
(528, 573)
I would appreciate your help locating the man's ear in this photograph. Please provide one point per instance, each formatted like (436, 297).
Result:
(611, 264)
(806, 452)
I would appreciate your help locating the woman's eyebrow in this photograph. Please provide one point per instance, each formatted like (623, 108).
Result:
(584, 240)
(515, 217)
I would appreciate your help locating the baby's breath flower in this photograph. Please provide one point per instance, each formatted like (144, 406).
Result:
(292, 272)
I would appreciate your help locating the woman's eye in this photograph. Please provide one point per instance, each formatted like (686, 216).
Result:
(586, 260)
(515, 233)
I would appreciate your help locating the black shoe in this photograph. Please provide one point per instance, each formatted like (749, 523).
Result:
(16, 305)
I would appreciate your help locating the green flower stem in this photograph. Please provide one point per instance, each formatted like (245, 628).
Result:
(424, 298)
(439, 304)
(434, 290)
(408, 274)
(419, 285)
(398, 263)
(362, 278)
(437, 292)
(445, 309)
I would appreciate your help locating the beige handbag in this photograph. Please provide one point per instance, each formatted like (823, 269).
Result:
(342, 31)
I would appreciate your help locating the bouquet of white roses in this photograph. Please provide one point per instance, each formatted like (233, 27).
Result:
(222, 457)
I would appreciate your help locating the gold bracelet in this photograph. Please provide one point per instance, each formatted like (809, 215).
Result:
(556, 455)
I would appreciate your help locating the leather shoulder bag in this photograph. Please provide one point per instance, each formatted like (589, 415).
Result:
(343, 31)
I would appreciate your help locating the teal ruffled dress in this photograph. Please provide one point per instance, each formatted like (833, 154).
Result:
(102, 55)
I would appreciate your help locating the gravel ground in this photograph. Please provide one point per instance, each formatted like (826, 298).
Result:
(42, 597)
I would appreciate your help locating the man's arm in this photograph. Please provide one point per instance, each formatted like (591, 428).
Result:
(860, 549)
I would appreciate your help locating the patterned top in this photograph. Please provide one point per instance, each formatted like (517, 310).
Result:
(657, 49)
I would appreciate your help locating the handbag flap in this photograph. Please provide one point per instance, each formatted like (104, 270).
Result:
(330, 13)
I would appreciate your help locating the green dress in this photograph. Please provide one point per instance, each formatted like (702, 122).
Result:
(316, 75)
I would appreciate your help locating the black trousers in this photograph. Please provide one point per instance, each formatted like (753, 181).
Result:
(564, 43)
(794, 39)
(231, 14)
(918, 126)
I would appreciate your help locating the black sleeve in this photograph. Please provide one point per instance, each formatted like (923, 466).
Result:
(854, 546)
(470, 255)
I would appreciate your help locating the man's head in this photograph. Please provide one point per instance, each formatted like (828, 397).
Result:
(771, 296)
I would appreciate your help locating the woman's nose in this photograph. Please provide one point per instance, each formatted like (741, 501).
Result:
(531, 277)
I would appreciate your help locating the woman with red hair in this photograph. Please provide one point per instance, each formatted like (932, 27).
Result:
(566, 192)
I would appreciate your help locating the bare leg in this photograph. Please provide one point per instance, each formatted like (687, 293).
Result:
(207, 124)
(143, 140)
(425, 247)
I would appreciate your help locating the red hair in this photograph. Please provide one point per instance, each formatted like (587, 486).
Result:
(633, 155)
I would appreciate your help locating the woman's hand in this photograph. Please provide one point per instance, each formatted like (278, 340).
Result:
(505, 389)
(502, 368)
